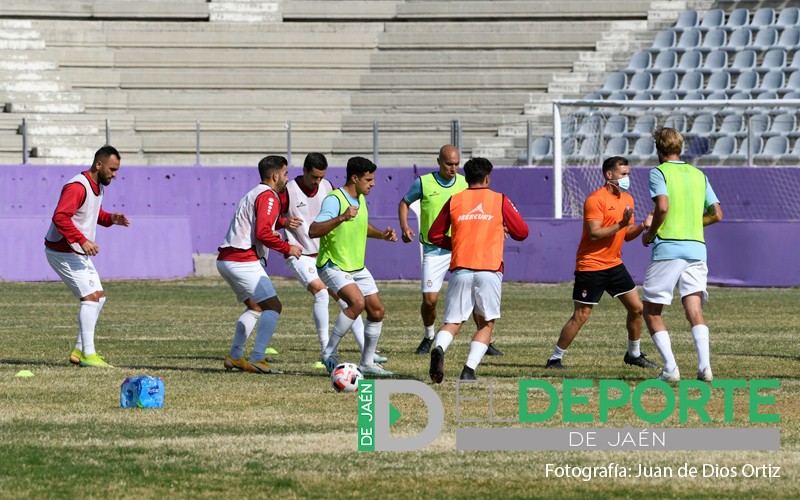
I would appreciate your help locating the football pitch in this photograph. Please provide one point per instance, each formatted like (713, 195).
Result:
(237, 434)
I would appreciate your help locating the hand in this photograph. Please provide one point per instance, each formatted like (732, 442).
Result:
(626, 217)
(646, 239)
(295, 251)
(293, 222)
(120, 220)
(350, 213)
(90, 247)
(389, 234)
(648, 221)
(408, 234)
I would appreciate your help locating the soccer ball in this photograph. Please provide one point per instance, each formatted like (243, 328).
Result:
(345, 377)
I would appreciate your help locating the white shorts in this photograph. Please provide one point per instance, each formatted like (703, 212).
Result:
(466, 290)
(304, 269)
(691, 276)
(248, 280)
(76, 271)
(434, 267)
(336, 279)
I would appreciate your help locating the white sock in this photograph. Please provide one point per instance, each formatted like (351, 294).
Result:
(343, 323)
(558, 353)
(244, 326)
(476, 352)
(633, 348)
(664, 346)
(358, 333)
(321, 317)
(372, 333)
(701, 342)
(79, 342)
(443, 339)
(87, 319)
(429, 332)
(264, 332)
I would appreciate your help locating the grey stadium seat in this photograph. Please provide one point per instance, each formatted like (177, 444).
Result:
(766, 96)
(773, 59)
(765, 39)
(789, 39)
(664, 40)
(717, 95)
(702, 125)
(724, 147)
(758, 145)
(714, 18)
(665, 82)
(746, 82)
(668, 96)
(678, 122)
(614, 83)
(795, 64)
(639, 83)
(689, 39)
(771, 82)
(589, 126)
(743, 61)
(542, 148)
(758, 123)
(737, 19)
(688, 19)
(691, 82)
(732, 125)
(617, 125)
(589, 149)
(690, 61)
(714, 62)
(665, 61)
(774, 149)
(644, 126)
(618, 146)
(763, 17)
(617, 96)
(714, 40)
(694, 96)
(789, 16)
(719, 81)
(638, 63)
(793, 84)
(643, 149)
(783, 124)
(739, 39)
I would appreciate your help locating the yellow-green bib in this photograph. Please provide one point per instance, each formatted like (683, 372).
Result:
(686, 189)
(346, 245)
(434, 196)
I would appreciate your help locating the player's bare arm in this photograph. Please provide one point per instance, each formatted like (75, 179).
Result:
(660, 210)
(402, 212)
(320, 229)
(713, 215)
(388, 234)
(120, 220)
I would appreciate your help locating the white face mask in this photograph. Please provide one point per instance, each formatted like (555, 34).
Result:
(624, 183)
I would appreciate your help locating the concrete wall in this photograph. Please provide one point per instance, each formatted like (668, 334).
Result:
(180, 211)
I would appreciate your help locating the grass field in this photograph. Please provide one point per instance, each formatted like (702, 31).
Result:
(237, 434)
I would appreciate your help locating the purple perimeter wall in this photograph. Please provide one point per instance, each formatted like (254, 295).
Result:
(177, 211)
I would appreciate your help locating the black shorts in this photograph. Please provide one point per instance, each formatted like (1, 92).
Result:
(590, 285)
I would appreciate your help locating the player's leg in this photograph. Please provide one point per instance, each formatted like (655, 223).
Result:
(80, 276)
(458, 305)
(486, 294)
(265, 296)
(345, 287)
(304, 270)
(237, 275)
(659, 283)
(692, 287)
(586, 293)
(373, 325)
(434, 268)
(620, 285)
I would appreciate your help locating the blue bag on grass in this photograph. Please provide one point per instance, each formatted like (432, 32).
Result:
(142, 392)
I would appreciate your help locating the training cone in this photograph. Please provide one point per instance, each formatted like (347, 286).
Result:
(24, 373)
(270, 350)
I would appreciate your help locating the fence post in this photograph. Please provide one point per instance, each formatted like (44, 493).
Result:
(108, 132)
(750, 141)
(529, 159)
(557, 170)
(24, 141)
(455, 135)
(289, 142)
(375, 142)
(197, 143)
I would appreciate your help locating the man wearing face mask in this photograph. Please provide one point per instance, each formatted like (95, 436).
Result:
(608, 223)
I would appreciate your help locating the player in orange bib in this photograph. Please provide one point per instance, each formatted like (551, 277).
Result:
(608, 223)
(478, 219)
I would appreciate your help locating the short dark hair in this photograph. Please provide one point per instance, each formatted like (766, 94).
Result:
(315, 161)
(476, 170)
(359, 166)
(613, 162)
(105, 153)
(270, 164)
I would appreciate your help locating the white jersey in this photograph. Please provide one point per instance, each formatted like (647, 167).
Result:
(242, 231)
(307, 208)
(85, 219)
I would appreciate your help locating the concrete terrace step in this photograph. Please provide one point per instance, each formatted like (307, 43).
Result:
(418, 123)
(172, 78)
(223, 121)
(400, 143)
(508, 9)
(249, 40)
(233, 58)
(304, 10)
(472, 59)
(242, 142)
(524, 80)
(272, 101)
(440, 101)
(105, 9)
(461, 27)
(574, 38)
(244, 11)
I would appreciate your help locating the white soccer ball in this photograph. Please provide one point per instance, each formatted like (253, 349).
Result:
(345, 377)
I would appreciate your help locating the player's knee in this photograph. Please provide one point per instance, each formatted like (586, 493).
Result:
(376, 313)
(429, 302)
(357, 305)
(635, 311)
